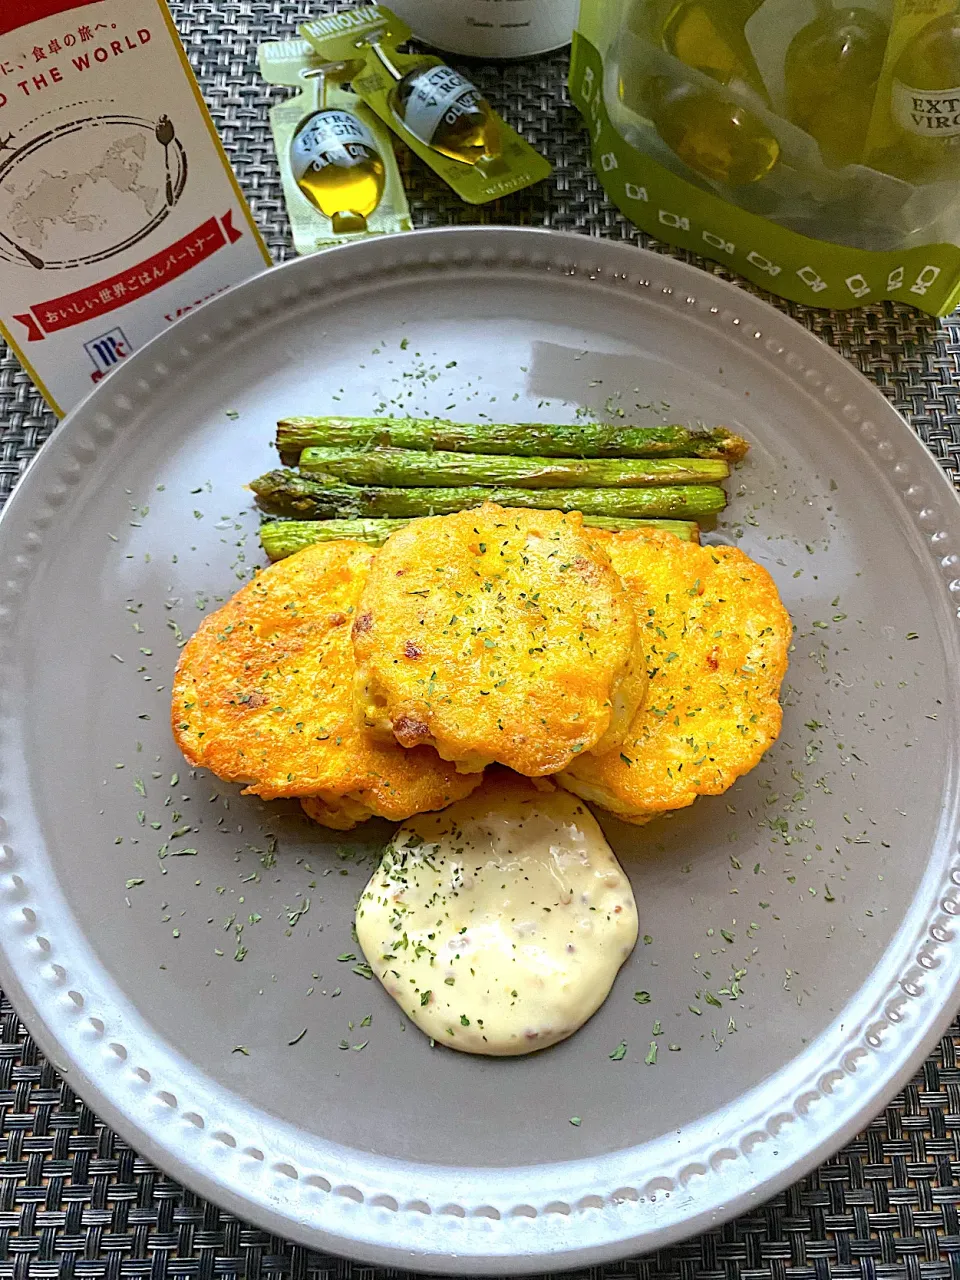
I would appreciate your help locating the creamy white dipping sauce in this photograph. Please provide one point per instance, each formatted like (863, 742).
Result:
(499, 924)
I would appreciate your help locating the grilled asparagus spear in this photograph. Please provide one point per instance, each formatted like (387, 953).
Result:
(528, 439)
(285, 493)
(410, 468)
(282, 538)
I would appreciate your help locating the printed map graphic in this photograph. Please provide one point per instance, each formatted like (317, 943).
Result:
(82, 201)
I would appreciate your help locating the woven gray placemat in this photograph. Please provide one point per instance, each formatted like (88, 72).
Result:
(76, 1201)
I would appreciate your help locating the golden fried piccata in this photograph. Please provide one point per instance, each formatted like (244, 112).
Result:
(264, 695)
(498, 635)
(716, 637)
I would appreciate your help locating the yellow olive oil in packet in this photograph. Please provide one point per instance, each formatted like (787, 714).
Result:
(339, 171)
(436, 111)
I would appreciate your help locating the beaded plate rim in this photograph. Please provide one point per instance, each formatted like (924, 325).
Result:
(395, 1212)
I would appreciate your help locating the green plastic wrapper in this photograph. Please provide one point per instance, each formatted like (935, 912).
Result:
(811, 146)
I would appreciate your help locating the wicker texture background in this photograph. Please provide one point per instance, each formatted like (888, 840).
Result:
(76, 1201)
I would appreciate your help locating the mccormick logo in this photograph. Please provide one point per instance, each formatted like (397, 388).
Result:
(106, 352)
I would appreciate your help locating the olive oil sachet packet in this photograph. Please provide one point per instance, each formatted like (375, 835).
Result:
(340, 175)
(438, 113)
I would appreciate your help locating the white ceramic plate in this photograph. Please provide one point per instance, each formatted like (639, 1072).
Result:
(834, 868)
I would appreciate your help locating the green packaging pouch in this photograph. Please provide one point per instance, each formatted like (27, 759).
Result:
(339, 172)
(437, 112)
(811, 146)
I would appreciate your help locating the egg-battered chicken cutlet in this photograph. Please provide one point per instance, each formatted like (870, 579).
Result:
(264, 695)
(498, 635)
(716, 638)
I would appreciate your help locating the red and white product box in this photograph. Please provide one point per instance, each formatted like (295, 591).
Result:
(119, 211)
